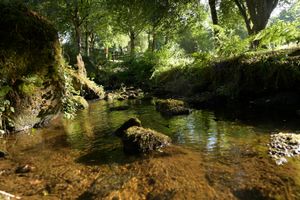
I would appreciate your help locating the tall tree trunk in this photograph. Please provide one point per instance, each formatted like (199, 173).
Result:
(87, 40)
(132, 43)
(153, 46)
(87, 44)
(256, 14)
(213, 11)
(92, 43)
(149, 40)
(214, 17)
(78, 39)
(106, 51)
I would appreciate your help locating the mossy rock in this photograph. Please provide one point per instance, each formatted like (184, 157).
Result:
(140, 140)
(171, 107)
(129, 123)
(80, 102)
(31, 66)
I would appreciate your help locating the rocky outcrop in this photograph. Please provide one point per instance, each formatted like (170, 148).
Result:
(171, 107)
(137, 139)
(284, 145)
(31, 68)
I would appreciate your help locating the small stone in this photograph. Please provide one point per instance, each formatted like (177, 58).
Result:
(3, 154)
(281, 161)
(24, 169)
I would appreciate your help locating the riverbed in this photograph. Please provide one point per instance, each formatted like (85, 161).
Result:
(214, 155)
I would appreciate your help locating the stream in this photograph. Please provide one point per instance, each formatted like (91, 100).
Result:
(215, 155)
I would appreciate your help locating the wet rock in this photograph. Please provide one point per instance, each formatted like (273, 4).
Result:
(140, 140)
(124, 93)
(2, 154)
(172, 107)
(131, 122)
(24, 169)
(284, 145)
(119, 108)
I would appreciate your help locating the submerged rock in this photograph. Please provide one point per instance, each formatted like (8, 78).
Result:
(24, 169)
(140, 140)
(2, 154)
(284, 145)
(172, 107)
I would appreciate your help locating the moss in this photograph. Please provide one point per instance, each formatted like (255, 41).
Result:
(140, 140)
(242, 78)
(171, 107)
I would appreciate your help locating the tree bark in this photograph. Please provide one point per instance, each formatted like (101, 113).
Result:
(132, 43)
(256, 13)
(153, 45)
(213, 11)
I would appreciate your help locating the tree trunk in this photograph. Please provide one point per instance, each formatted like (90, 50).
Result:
(106, 51)
(78, 39)
(149, 40)
(87, 40)
(132, 43)
(213, 11)
(153, 46)
(256, 14)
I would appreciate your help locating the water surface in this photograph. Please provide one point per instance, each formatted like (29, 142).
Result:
(213, 157)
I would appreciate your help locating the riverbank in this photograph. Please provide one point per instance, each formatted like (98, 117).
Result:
(265, 80)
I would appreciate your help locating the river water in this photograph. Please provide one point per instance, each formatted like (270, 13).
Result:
(215, 155)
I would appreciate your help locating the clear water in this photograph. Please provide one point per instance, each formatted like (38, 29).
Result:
(213, 156)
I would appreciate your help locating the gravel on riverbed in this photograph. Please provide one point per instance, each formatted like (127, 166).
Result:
(283, 145)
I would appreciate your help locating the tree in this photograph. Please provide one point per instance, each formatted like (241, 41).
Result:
(129, 17)
(256, 13)
(213, 11)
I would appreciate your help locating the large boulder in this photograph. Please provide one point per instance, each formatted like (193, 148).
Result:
(129, 123)
(171, 107)
(141, 140)
(31, 68)
(137, 139)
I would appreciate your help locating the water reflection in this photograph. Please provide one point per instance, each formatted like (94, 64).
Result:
(212, 155)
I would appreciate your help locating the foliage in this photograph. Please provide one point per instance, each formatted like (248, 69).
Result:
(278, 34)
(230, 44)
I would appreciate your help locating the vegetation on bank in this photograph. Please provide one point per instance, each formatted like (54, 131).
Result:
(179, 48)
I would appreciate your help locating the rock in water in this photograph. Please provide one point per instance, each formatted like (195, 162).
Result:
(24, 169)
(284, 145)
(31, 66)
(2, 154)
(140, 140)
(171, 107)
(131, 122)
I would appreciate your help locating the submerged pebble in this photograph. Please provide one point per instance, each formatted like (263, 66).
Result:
(284, 145)
(24, 169)
(2, 154)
